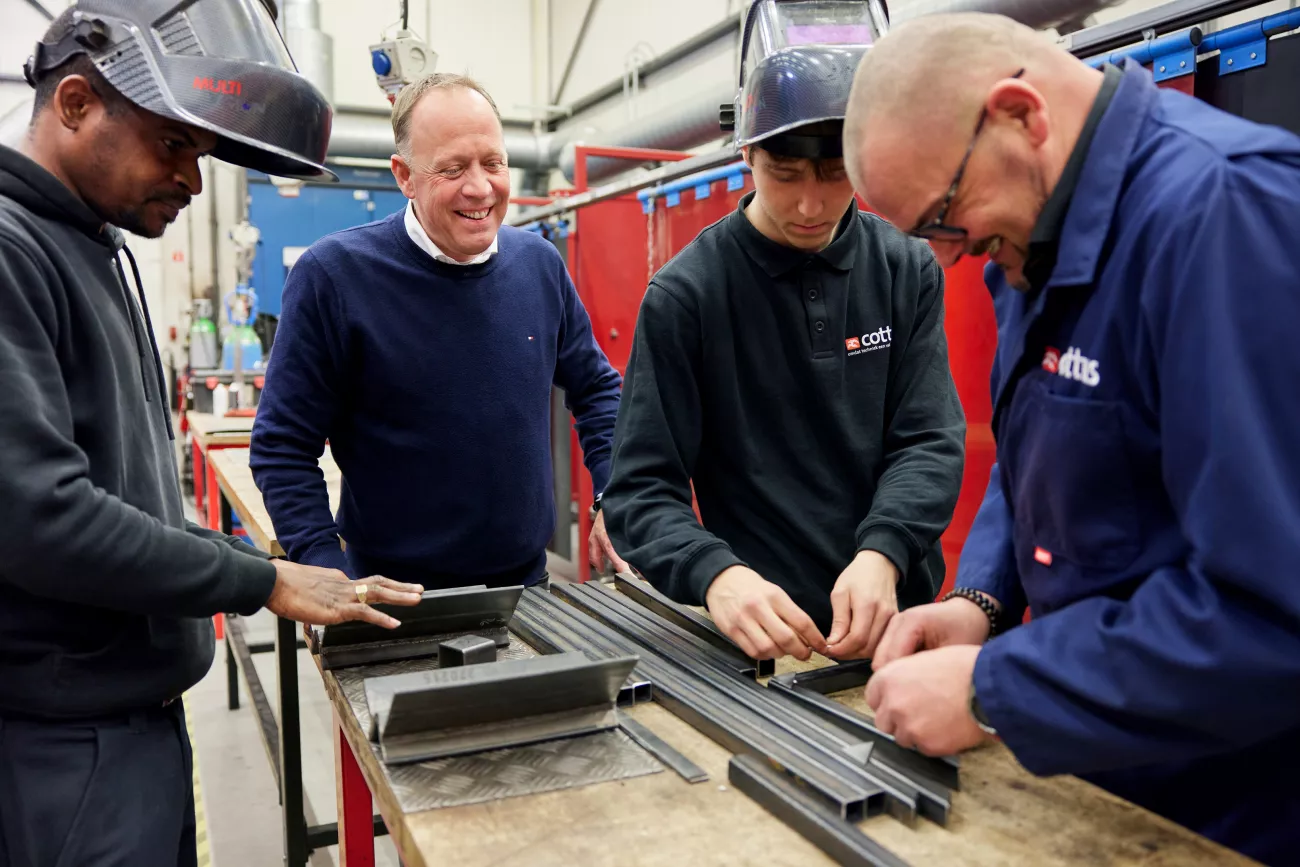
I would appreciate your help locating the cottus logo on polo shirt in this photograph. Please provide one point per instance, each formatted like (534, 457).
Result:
(1072, 365)
(881, 338)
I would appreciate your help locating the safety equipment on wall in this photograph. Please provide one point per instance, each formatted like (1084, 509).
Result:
(798, 58)
(219, 65)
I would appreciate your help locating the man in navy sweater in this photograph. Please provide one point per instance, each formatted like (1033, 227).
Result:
(423, 347)
(1146, 499)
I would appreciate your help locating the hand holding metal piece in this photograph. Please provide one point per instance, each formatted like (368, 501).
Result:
(309, 594)
(864, 600)
(761, 617)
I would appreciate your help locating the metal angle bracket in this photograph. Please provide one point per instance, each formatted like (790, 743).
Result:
(781, 797)
(832, 678)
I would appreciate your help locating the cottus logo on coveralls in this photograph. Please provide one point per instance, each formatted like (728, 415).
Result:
(1072, 365)
(869, 342)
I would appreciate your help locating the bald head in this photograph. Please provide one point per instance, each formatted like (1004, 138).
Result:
(918, 98)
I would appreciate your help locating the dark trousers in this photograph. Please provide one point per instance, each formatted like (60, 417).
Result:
(111, 792)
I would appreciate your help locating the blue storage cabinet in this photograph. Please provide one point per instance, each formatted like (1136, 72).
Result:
(293, 223)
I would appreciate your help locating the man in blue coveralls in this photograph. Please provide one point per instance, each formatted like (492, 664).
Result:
(1146, 502)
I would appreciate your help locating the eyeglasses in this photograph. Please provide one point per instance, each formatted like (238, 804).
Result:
(937, 229)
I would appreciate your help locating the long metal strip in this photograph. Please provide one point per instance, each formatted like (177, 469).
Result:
(841, 840)
(910, 796)
(832, 678)
(943, 771)
(663, 751)
(727, 723)
(645, 594)
(900, 799)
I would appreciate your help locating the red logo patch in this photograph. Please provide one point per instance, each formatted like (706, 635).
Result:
(219, 85)
(1043, 556)
(852, 343)
(1051, 359)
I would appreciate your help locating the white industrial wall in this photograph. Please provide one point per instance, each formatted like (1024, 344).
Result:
(517, 48)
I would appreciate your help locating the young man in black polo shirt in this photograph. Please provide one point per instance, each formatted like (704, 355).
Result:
(790, 365)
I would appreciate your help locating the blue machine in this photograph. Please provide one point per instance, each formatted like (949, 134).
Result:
(291, 224)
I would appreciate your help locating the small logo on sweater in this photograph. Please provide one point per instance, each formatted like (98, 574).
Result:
(870, 342)
(1042, 555)
(1072, 365)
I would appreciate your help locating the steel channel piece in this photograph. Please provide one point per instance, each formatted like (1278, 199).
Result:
(900, 801)
(550, 640)
(731, 725)
(907, 797)
(942, 771)
(832, 678)
(646, 595)
(840, 839)
(663, 751)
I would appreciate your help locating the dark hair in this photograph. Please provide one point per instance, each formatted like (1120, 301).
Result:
(47, 82)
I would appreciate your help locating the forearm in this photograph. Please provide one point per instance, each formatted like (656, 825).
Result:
(233, 541)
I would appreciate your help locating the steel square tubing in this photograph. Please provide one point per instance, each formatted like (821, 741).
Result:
(914, 764)
(839, 839)
(901, 799)
(924, 796)
(645, 594)
(731, 725)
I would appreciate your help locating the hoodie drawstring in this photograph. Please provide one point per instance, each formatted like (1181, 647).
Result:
(153, 343)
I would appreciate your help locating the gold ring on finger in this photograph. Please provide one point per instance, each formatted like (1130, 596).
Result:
(361, 589)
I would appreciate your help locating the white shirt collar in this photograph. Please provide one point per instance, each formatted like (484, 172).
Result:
(421, 239)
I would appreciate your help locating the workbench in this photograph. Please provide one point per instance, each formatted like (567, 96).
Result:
(1002, 816)
(208, 434)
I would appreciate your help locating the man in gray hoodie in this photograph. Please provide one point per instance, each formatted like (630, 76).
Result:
(106, 592)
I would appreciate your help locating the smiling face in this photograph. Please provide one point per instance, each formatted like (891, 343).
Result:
(454, 168)
(798, 202)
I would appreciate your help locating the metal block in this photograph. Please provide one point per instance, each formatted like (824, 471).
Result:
(832, 678)
(779, 795)
(645, 594)
(453, 711)
(466, 650)
(439, 616)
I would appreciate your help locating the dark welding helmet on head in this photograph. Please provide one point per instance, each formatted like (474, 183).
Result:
(220, 65)
(798, 58)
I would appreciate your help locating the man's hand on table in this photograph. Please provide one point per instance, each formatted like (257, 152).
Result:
(761, 617)
(320, 597)
(924, 700)
(864, 600)
(599, 547)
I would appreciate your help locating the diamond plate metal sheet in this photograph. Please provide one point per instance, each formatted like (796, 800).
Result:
(474, 779)
(545, 767)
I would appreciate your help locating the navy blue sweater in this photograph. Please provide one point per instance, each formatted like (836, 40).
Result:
(432, 384)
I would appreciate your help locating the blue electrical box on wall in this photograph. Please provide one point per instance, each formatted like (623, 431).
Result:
(291, 224)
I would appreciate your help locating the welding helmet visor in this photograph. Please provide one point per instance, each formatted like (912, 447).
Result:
(220, 65)
(798, 58)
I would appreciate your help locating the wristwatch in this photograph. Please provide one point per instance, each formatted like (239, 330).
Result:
(978, 713)
(595, 508)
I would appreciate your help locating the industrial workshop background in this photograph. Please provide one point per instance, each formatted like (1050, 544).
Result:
(573, 77)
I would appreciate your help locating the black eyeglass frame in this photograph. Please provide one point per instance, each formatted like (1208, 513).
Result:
(937, 229)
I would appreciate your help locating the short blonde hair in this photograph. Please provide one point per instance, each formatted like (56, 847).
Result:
(413, 92)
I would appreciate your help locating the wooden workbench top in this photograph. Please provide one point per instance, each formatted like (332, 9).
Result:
(210, 430)
(236, 481)
(1003, 816)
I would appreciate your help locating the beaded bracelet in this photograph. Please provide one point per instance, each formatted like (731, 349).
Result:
(983, 600)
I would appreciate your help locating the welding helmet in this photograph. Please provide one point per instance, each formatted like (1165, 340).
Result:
(220, 65)
(798, 58)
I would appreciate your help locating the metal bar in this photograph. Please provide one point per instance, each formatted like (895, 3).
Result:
(573, 52)
(268, 646)
(324, 836)
(841, 840)
(663, 174)
(645, 594)
(726, 27)
(267, 725)
(902, 797)
(728, 724)
(291, 794)
(582, 152)
(943, 771)
(232, 670)
(832, 678)
(552, 638)
(1159, 20)
(35, 4)
(661, 750)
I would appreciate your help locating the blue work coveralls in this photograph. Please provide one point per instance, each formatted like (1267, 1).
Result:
(1146, 501)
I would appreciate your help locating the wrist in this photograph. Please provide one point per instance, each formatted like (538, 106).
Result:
(988, 606)
(977, 712)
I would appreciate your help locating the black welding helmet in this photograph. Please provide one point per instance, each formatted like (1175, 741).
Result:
(798, 58)
(216, 64)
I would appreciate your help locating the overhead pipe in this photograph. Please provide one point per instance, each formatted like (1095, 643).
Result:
(311, 48)
(1038, 14)
(370, 136)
